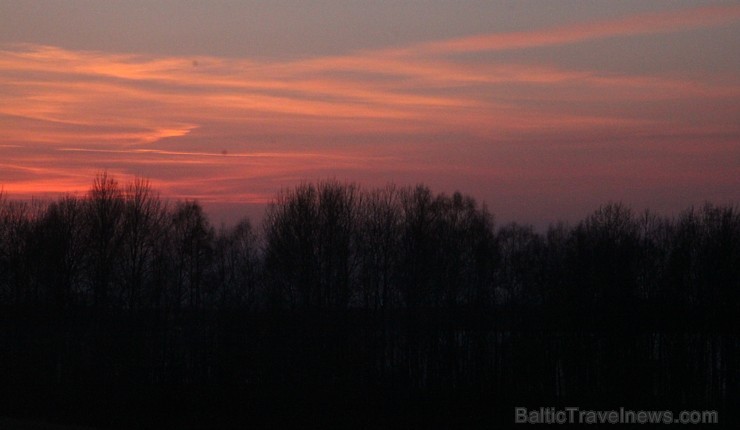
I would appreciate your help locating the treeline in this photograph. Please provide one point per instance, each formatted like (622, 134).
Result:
(350, 298)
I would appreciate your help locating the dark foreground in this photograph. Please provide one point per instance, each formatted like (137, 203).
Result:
(435, 370)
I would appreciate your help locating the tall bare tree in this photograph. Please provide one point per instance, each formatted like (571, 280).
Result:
(143, 224)
(104, 222)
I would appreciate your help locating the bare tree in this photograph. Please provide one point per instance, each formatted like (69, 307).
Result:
(519, 272)
(379, 234)
(237, 266)
(104, 221)
(64, 250)
(337, 251)
(143, 224)
(417, 245)
(193, 252)
(311, 253)
(291, 230)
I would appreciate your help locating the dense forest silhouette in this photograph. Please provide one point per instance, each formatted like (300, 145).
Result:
(358, 307)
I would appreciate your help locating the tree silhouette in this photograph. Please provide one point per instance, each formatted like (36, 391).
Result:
(238, 267)
(143, 225)
(388, 304)
(192, 242)
(104, 212)
(378, 235)
(61, 228)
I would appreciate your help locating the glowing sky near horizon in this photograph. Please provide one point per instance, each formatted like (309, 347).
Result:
(542, 110)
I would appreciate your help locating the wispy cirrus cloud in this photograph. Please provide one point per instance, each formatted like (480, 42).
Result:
(650, 23)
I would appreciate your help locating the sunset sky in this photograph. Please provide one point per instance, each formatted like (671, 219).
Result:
(542, 110)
